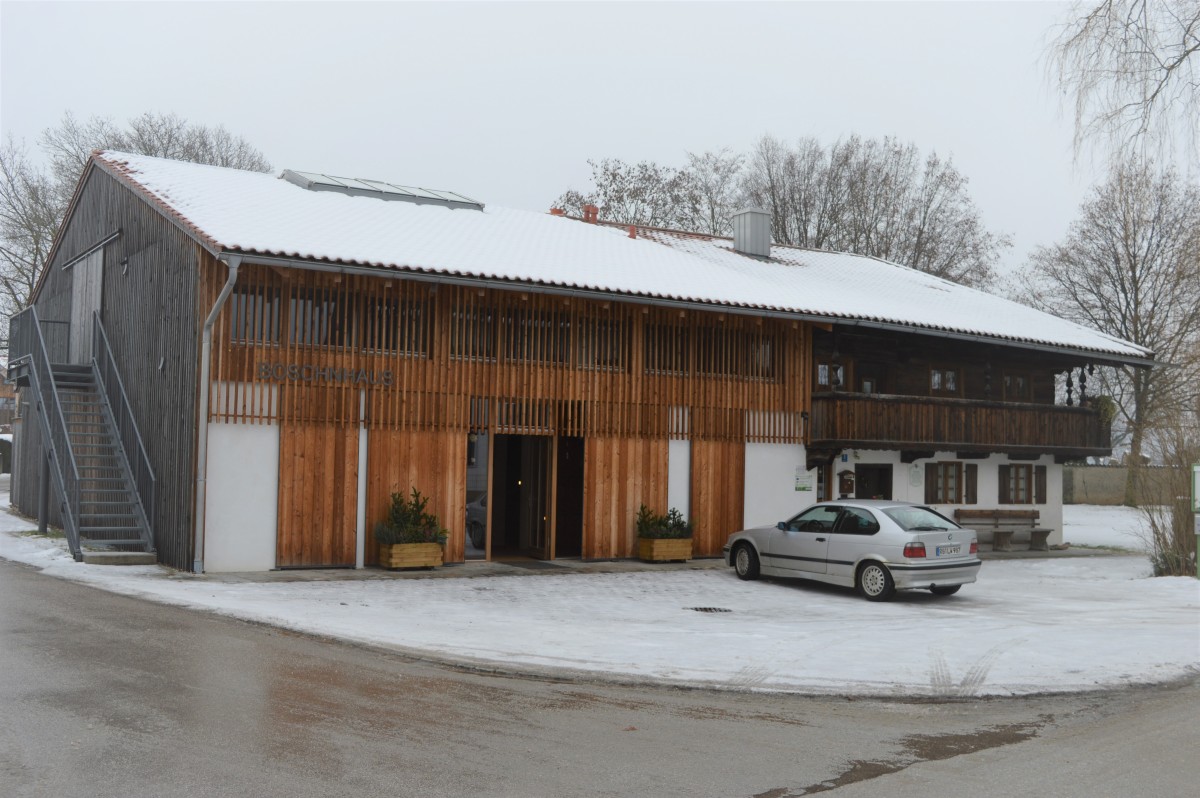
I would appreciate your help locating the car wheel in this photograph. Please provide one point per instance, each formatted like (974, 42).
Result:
(944, 590)
(745, 562)
(875, 583)
(478, 533)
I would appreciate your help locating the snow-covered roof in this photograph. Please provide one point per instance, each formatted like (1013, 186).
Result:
(255, 213)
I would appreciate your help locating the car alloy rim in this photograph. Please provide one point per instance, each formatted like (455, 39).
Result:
(743, 561)
(872, 579)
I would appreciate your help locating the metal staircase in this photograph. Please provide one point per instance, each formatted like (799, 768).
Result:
(96, 462)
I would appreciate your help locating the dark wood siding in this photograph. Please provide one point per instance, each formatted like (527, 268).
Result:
(851, 421)
(149, 302)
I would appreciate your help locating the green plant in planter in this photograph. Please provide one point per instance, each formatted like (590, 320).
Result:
(652, 526)
(408, 522)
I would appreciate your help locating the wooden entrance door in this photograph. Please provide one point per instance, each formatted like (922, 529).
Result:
(318, 496)
(87, 280)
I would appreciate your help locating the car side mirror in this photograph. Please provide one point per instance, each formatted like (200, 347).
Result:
(782, 525)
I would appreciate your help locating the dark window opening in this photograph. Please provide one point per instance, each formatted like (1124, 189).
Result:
(666, 349)
(943, 381)
(320, 318)
(394, 325)
(254, 316)
(473, 333)
(602, 344)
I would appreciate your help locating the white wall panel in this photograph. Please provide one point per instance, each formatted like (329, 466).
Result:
(770, 493)
(242, 501)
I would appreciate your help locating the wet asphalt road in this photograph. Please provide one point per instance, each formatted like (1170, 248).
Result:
(102, 695)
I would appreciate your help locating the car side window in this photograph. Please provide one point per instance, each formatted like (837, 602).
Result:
(857, 522)
(814, 519)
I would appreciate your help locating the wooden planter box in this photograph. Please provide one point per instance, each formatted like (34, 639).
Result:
(664, 550)
(410, 555)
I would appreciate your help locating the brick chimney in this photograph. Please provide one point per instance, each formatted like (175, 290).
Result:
(752, 232)
(557, 212)
(591, 214)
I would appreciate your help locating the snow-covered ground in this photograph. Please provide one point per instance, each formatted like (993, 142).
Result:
(1028, 626)
(1099, 526)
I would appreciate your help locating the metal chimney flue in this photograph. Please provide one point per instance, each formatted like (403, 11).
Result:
(752, 232)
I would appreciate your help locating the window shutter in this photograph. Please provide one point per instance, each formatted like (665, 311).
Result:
(1005, 488)
(931, 475)
(971, 488)
(1039, 485)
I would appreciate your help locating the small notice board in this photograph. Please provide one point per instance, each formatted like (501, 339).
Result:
(1196, 488)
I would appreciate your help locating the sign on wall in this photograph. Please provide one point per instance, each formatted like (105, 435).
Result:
(1196, 488)
(805, 482)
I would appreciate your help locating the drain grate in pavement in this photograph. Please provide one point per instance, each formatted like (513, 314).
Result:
(707, 609)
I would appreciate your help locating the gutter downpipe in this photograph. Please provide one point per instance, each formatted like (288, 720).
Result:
(233, 262)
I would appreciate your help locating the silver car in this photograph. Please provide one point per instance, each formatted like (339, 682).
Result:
(876, 546)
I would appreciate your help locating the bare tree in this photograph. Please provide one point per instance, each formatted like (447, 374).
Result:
(1170, 530)
(1131, 71)
(1130, 266)
(33, 200)
(875, 197)
(642, 193)
(29, 213)
(712, 188)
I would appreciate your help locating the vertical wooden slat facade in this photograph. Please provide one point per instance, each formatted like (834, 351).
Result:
(718, 493)
(403, 354)
(318, 502)
(433, 462)
(620, 474)
(149, 309)
(422, 365)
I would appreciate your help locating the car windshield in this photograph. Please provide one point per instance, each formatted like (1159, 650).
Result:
(919, 519)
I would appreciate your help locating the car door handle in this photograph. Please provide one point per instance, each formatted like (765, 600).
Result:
(820, 540)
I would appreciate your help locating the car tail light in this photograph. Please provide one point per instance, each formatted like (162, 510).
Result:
(974, 547)
(914, 550)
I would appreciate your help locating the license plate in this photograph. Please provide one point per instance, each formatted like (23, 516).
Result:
(942, 551)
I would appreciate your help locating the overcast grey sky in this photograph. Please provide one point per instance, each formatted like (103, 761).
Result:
(505, 102)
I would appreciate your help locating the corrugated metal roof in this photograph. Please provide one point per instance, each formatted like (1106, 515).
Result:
(251, 212)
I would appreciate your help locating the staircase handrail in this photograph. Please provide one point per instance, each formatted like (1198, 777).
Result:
(130, 438)
(54, 428)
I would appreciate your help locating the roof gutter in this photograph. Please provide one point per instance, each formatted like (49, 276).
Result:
(589, 293)
(233, 262)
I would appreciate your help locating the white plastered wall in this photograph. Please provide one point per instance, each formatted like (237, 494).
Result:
(242, 497)
(908, 483)
(774, 471)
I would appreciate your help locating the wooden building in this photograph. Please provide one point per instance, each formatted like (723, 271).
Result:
(238, 370)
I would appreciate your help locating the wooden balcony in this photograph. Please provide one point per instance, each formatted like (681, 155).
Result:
(922, 424)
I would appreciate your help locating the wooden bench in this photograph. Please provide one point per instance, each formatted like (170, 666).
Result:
(1002, 527)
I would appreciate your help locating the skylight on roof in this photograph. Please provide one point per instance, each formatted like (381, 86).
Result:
(354, 187)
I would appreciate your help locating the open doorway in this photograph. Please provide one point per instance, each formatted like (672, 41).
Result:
(534, 479)
(872, 481)
(520, 504)
(568, 526)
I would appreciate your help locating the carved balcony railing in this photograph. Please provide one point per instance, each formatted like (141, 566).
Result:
(916, 423)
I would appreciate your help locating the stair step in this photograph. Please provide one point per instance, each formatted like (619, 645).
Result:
(119, 542)
(91, 530)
